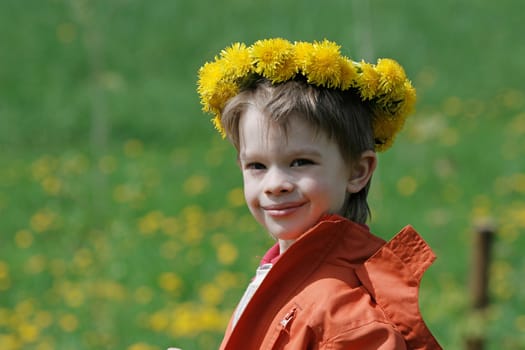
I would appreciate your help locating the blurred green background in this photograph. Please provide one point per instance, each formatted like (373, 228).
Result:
(122, 222)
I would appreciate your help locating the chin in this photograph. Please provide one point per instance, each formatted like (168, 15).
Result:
(287, 234)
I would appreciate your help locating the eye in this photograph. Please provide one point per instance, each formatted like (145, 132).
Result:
(301, 162)
(255, 166)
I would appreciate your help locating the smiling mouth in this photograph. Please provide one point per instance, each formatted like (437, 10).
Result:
(285, 209)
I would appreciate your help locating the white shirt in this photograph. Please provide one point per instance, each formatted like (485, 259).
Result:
(260, 274)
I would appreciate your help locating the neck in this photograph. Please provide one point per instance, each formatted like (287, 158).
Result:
(284, 244)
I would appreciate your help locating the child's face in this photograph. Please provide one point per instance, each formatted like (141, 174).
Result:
(290, 180)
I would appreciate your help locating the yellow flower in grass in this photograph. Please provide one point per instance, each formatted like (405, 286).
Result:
(274, 59)
(28, 332)
(23, 239)
(211, 294)
(142, 346)
(159, 321)
(169, 282)
(226, 253)
(323, 66)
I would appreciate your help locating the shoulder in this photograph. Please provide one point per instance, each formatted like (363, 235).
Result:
(392, 277)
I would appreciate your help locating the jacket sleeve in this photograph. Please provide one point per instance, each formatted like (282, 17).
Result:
(372, 336)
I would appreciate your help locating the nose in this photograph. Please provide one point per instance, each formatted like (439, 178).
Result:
(277, 181)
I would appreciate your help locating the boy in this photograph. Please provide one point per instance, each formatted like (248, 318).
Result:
(306, 123)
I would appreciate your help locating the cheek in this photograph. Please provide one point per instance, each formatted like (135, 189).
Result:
(250, 190)
(329, 193)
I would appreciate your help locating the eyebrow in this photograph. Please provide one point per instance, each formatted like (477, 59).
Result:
(298, 152)
(309, 151)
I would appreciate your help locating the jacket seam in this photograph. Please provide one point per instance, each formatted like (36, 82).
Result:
(333, 338)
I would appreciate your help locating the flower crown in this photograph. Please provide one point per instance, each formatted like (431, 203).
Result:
(384, 85)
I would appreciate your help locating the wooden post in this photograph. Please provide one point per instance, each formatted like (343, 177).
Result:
(481, 254)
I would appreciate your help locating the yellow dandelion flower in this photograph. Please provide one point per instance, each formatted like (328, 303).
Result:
(368, 81)
(303, 51)
(141, 346)
(236, 61)
(392, 75)
(43, 220)
(274, 59)
(323, 66)
(409, 100)
(224, 90)
(210, 319)
(151, 222)
(209, 76)
(10, 341)
(196, 185)
(226, 253)
(52, 185)
(74, 296)
(236, 197)
(218, 125)
(169, 281)
(226, 280)
(185, 322)
(211, 294)
(348, 74)
(385, 128)
(28, 332)
(23, 239)
(407, 186)
(159, 321)
(287, 70)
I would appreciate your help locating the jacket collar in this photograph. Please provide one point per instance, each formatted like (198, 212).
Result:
(392, 276)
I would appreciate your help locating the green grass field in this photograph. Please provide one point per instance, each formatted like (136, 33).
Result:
(122, 222)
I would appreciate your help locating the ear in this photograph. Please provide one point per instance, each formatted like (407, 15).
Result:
(361, 171)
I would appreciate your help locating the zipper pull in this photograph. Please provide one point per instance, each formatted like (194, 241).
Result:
(287, 318)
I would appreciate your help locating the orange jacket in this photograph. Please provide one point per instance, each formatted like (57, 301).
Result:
(339, 287)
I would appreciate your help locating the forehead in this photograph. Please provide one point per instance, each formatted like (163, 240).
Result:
(257, 129)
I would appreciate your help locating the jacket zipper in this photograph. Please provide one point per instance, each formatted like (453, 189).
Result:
(287, 318)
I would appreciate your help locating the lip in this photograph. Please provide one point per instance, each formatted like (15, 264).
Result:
(282, 209)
